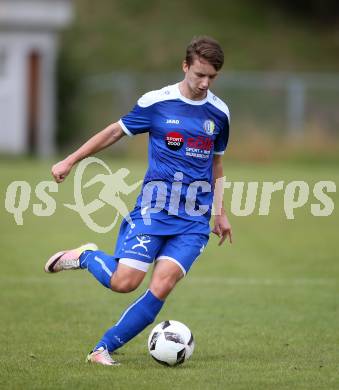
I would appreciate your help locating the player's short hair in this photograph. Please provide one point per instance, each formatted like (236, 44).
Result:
(206, 48)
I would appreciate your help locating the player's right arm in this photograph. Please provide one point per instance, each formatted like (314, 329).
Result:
(106, 137)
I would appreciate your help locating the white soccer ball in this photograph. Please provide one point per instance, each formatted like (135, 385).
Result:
(170, 343)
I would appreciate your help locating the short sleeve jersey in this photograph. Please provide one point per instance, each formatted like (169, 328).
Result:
(184, 135)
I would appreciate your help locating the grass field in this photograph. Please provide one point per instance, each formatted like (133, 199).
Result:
(264, 311)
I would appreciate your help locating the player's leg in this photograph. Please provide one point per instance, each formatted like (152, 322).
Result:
(114, 337)
(182, 250)
(133, 320)
(174, 261)
(177, 254)
(165, 276)
(126, 278)
(68, 259)
(101, 265)
(139, 314)
(124, 275)
(143, 311)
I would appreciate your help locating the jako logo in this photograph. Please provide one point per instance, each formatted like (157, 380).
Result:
(173, 121)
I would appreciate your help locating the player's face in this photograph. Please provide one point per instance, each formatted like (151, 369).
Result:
(198, 77)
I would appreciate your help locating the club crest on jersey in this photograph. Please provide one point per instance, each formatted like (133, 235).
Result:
(209, 127)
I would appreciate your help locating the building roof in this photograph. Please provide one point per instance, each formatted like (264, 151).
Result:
(51, 14)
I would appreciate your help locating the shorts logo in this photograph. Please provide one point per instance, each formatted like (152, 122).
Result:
(209, 127)
(174, 140)
(143, 239)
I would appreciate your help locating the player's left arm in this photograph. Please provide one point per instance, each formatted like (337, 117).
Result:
(222, 228)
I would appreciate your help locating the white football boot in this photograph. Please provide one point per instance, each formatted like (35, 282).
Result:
(101, 356)
(68, 259)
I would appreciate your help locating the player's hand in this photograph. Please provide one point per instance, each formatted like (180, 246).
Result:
(222, 228)
(61, 170)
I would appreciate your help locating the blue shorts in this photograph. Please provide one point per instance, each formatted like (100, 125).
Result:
(138, 250)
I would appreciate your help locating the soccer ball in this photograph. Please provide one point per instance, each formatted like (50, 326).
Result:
(170, 343)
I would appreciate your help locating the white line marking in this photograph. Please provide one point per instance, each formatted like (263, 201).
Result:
(263, 281)
(227, 281)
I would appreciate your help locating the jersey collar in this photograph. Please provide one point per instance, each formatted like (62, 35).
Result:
(189, 101)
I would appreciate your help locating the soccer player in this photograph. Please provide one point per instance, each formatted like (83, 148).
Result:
(188, 130)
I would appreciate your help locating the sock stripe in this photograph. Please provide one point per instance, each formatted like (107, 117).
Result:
(136, 302)
(103, 265)
(85, 258)
(134, 320)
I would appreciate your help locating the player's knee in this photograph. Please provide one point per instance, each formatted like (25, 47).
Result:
(161, 287)
(124, 285)
(126, 279)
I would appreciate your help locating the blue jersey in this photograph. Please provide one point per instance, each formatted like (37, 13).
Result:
(184, 135)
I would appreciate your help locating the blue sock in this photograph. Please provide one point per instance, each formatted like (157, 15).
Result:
(100, 265)
(134, 320)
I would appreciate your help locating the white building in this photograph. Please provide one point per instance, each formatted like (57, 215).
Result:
(28, 49)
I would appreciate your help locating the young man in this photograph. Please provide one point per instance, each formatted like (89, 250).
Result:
(188, 132)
